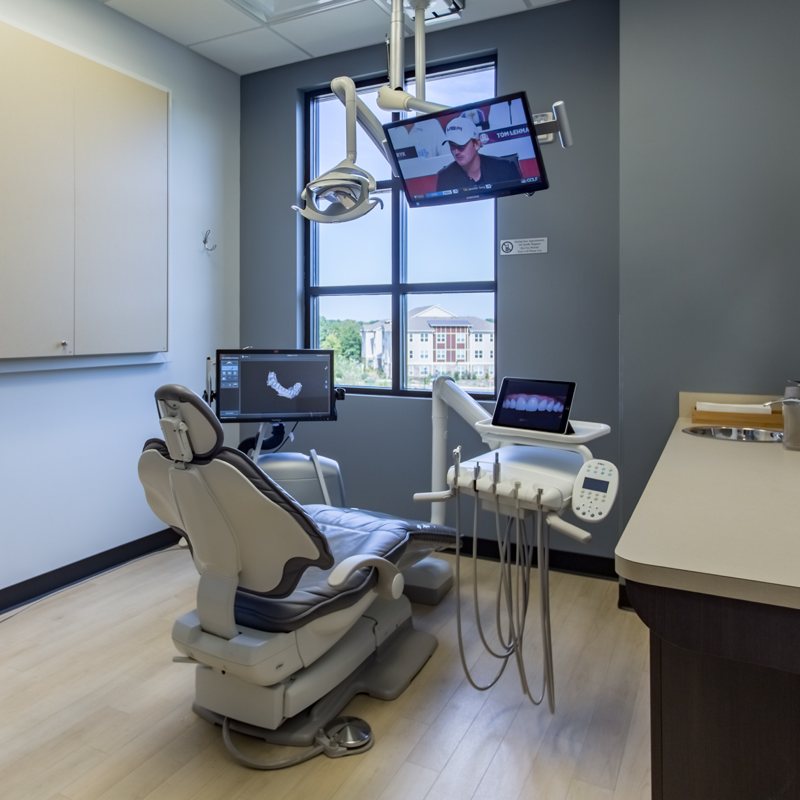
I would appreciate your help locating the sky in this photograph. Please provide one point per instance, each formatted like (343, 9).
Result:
(444, 243)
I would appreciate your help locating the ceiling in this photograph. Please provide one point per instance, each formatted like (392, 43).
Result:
(250, 35)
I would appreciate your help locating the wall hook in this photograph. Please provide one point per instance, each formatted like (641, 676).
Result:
(205, 242)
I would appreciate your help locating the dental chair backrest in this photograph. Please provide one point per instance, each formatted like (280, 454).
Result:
(244, 530)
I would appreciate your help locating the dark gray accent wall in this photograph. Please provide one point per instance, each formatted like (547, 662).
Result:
(709, 211)
(557, 313)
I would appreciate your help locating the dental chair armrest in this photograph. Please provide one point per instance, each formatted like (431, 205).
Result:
(390, 579)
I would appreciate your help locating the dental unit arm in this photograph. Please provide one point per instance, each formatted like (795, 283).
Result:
(347, 188)
(525, 474)
(523, 471)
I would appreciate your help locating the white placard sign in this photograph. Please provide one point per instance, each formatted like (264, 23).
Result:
(523, 247)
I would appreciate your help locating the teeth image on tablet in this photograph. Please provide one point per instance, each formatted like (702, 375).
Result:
(532, 402)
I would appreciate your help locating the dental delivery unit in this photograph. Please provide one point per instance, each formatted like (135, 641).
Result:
(302, 602)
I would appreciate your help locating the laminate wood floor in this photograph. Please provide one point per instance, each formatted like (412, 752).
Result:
(92, 706)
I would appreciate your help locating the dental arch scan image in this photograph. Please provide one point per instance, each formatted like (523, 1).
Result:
(533, 403)
(274, 385)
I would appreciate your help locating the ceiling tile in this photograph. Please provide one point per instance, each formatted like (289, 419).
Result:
(186, 21)
(223, 33)
(345, 28)
(251, 51)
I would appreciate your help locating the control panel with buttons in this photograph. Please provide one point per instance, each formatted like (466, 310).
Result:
(595, 490)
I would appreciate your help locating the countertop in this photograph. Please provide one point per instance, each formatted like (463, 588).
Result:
(720, 518)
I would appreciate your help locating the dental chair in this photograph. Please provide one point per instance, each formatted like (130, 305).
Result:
(298, 608)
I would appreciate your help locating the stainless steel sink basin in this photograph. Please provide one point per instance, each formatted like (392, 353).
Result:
(735, 434)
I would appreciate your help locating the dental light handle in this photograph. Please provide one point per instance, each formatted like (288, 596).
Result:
(568, 529)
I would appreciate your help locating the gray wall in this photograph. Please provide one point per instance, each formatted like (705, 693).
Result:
(557, 314)
(672, 266)
(709, 214)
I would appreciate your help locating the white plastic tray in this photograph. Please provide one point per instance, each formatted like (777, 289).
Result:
(584, 432)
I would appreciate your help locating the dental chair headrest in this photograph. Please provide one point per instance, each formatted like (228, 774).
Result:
(191, 431)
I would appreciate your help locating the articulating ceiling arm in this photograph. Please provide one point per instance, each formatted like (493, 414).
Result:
(343, 193)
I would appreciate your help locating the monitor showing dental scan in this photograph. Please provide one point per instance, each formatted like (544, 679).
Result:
(275, 385)
(471, 152)
(534, 405)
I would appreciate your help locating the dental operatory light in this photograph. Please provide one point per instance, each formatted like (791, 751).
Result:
(343, 193)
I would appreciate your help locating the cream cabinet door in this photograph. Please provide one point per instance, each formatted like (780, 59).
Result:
(83, 205)
(37, 242)
(120, 213)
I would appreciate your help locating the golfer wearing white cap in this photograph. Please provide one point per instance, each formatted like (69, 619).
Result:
(469, 168)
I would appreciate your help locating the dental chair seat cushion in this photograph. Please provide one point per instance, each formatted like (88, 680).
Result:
(348, 533)
(420, 532)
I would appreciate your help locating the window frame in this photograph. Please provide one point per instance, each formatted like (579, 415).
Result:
(398, 290)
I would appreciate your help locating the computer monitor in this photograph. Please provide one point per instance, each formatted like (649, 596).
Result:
(275, 385)
(433, 153)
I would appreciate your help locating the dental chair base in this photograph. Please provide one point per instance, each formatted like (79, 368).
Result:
(243, 678)
(280, 714)
(379, 656)
(428, 581)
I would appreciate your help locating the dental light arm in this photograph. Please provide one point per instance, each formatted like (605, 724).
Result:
(355, 108)
(345, 188)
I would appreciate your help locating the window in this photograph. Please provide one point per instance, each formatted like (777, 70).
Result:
(377, 284)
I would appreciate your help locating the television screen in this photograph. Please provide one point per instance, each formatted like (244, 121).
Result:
(470, 152)
(274, 385)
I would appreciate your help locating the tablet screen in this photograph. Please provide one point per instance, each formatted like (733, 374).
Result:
(534, 405)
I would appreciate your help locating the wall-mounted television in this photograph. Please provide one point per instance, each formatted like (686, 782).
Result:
(471, 152)
(274, 385)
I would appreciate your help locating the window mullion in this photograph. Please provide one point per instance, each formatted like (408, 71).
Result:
(398, 272)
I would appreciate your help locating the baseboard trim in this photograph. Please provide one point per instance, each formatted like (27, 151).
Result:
(33, 588)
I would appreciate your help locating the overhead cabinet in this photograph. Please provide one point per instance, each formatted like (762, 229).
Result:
(83, 205)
